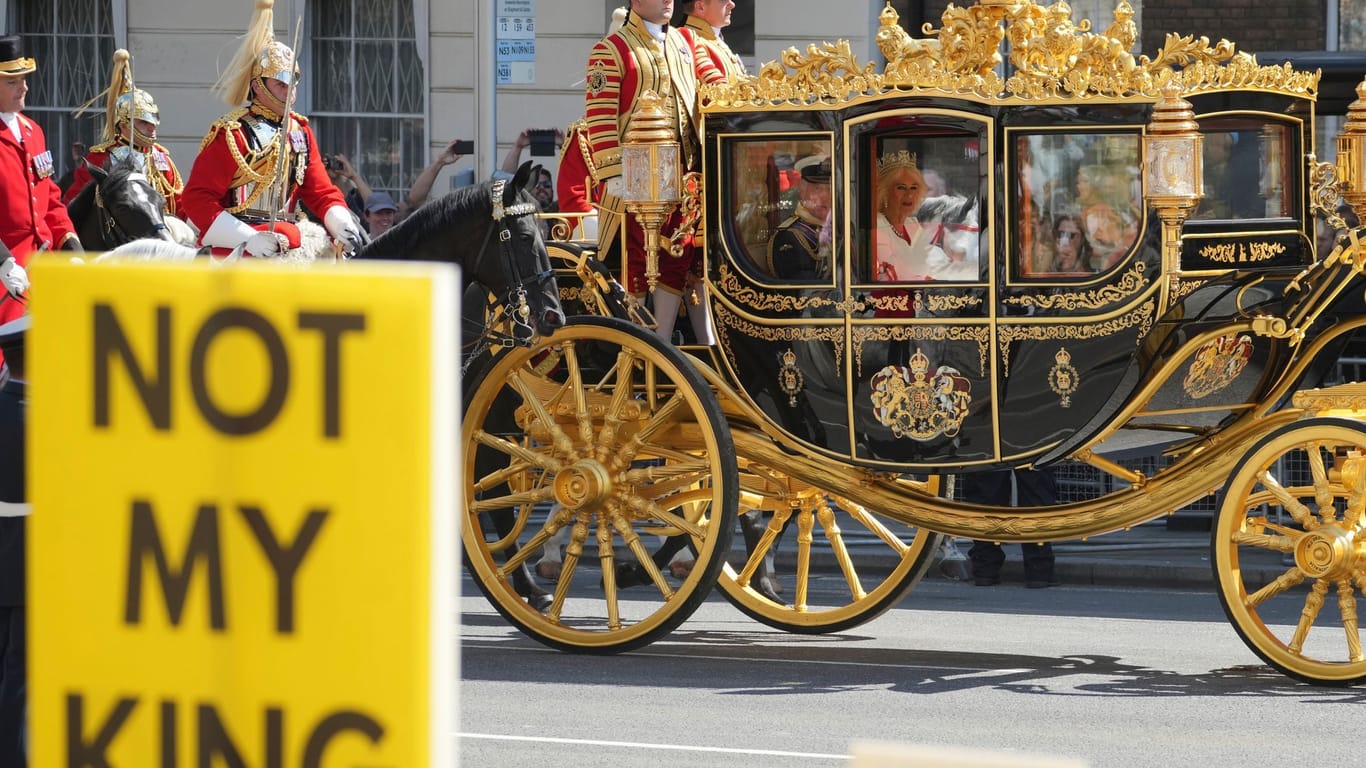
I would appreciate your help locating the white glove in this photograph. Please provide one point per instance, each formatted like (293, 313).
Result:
(266, 245)
(14, 277)
(345, 228)
(616, 187)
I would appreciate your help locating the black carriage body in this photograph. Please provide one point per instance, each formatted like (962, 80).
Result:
(1014, 361)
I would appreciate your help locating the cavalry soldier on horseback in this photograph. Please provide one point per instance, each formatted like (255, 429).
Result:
(32, 216)
(258, 162)
(646, 54)
(130, 126)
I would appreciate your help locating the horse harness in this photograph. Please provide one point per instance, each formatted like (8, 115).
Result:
(109, 224)
(515, 301)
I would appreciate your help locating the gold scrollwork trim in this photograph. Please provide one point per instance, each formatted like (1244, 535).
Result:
(727, 321)
(1141, 317)
(1053, 58)
(980, 334)
(940, 303)
(1130, 283)
(1242, 253)
(768, 302)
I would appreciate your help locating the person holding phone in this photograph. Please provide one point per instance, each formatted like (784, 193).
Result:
(422, 185)
(542, 182)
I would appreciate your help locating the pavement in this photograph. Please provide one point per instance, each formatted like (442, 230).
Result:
(1150, 555)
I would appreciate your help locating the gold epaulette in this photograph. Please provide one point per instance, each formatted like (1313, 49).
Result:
(231, 121)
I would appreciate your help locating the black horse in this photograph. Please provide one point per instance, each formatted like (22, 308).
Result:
(491, 231)
(119, 206)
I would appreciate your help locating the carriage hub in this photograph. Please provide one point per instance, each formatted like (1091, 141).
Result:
(585, 484)
(1326, 553)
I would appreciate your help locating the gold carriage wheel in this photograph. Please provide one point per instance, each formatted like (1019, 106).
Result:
(612, 435)
(1298, 494)
(826, 587)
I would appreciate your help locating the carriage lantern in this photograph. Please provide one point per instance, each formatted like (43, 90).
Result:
(650, 170)
(1352, 154)
(1174, 173)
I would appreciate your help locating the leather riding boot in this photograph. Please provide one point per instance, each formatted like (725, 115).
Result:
(525, 585)
(753, 525)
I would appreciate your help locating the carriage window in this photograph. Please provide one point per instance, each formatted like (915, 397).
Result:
(1245, 169)
(779, 194)
(1078, 202)
(921, 219)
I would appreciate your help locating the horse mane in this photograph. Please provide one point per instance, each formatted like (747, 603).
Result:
(431, 221)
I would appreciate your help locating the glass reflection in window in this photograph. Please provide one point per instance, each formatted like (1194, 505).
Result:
(1078, 202)
(1245, 169)
(780, 203)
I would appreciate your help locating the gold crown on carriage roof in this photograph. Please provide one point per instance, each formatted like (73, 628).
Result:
(896, 161)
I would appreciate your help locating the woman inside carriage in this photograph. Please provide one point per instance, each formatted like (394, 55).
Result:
(903, 248)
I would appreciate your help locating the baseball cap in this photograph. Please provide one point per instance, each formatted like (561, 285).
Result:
(379, 201)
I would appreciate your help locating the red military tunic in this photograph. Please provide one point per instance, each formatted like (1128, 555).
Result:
(621, 67)
(574, 183)
(161, 171)
(231, 173)
(31, 210)
(710, 43)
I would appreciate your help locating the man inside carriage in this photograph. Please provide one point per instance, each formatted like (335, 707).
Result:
(259, 161)
(130, 130)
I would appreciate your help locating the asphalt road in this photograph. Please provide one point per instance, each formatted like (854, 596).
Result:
(1108, 676)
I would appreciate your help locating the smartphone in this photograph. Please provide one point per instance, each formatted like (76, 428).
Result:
(462, 147)
(542, 143)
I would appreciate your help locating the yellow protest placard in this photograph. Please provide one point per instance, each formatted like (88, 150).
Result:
(242, 546)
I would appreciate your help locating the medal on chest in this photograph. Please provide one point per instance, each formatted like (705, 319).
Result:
(160, 161)
(42, 164)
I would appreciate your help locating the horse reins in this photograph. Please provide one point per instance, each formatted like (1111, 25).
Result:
(110, 224)
(515, 301)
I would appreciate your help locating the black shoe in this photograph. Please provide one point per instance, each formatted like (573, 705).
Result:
(987, 581)
(630, 575)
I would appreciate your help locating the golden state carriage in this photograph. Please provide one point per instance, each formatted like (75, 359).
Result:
(843, 393)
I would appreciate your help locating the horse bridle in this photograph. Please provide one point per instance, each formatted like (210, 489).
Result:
(515, 301)
(110, 225)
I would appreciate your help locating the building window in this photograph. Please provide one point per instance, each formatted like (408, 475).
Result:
(73, 43)
(368, 89)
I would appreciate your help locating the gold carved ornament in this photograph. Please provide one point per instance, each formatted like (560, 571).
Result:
(1130, 283)
(727, 322)
(1063, 379)
(979, 334)
(790, 377)
(1054, 58)
(769, 302)
(1140, 317)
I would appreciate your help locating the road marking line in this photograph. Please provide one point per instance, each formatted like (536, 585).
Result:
(643, 745)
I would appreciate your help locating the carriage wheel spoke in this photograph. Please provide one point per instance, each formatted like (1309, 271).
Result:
(1291, 578)
(1313, 603)
(563, 445)
(573, 551)
(637, 547)
(1347, 604)
(1292, 505)
(826, 516)
(643, 509)
(495, 479)
(607, 559)
(613, 420)
(668, 478)
(575, 384)
(762, 547)
(533, 496)
(1356, 500)
(670, 412)
(1323, 493)
(1271, 542)
(867, 520)
(528, 456)
(805, 524)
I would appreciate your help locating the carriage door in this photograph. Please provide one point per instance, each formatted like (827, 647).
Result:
(919, 259)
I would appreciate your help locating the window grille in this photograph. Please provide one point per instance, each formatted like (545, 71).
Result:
(368, 89)
(73, 43)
